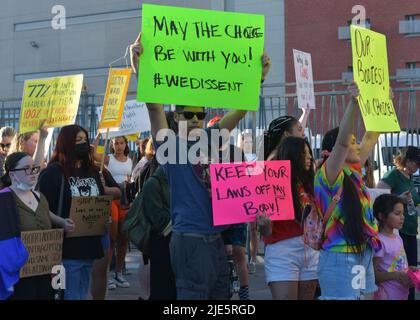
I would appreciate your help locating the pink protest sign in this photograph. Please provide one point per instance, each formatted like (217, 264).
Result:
(240, 190)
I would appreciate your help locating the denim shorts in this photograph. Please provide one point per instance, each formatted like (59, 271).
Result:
(346, 276)
(239, 234)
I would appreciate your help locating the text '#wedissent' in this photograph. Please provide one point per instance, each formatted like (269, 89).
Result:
(196, 83)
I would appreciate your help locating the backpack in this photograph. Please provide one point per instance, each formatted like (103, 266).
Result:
(137, 226)
(313, 223)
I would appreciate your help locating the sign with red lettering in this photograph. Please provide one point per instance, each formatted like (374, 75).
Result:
(240, 190)
(304, 79)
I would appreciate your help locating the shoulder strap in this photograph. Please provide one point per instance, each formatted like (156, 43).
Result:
(332, 205)
(60, 201)
(36, 196)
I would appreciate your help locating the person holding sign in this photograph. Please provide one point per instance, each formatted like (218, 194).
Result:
(194, 238)
(33, 143)
(279, 129)
(290, 263)
(351, 234)
(71, 173)
(120, 166)
(33, 210)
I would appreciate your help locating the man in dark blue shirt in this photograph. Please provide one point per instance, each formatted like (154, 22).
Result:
(197, 250)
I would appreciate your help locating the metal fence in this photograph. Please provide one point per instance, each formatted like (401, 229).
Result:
(280, 99)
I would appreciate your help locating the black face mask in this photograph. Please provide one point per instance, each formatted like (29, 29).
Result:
(81, 150)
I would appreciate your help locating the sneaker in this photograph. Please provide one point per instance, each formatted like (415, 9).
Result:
(111, 285)
(252, 267)
(120, 281)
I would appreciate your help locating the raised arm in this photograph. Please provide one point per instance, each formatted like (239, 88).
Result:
(39, 159)
(366, 146)
(370, 139)
(156, 113)
(336, 160)
(304, 117)
(98, 156)
(231, 120)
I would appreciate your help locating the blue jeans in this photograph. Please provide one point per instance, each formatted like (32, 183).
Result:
(77, 278)
(346, 276)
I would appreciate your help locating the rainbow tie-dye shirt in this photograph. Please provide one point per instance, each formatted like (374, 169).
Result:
(334, 239)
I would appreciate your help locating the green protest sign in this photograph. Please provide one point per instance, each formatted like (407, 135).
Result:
(200, 57)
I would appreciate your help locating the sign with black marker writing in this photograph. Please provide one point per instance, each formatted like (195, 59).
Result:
(241, 190)
(200, 57)
(45, 249)
(370, 69)
(90, 215)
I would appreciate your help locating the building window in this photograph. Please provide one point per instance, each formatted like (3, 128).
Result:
(368, 25)
(412, 17)
(412, 65)
(350, 69)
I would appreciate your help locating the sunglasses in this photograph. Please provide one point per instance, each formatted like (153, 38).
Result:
(5, 145)
(29, 171)
(189, 115)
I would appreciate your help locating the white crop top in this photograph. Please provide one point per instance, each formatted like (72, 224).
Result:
(119, 170)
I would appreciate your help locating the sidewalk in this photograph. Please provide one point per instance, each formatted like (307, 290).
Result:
(258, 290)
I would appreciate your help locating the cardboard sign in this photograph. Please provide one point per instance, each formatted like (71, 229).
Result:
(55, 100)
(45, 249)
(201, 57)
(135, 119)
(240, 190)
(304, 79)
(370, 70)
(116, 91)
(90, 215)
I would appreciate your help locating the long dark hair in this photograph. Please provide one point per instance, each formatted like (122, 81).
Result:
(276, 130)
(64, 154)
(293, 149)
(352, 207)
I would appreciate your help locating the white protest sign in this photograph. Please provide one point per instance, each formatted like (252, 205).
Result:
(304, 79)
(374, 193)
(135, 119)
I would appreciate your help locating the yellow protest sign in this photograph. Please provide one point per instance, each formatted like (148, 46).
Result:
(116, 90)
(370, 69)
(133, 137)
(55, 100)
(45, 249)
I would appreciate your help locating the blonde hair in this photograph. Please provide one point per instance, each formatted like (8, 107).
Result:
(150, 150)
(19, 141)
(400, 159)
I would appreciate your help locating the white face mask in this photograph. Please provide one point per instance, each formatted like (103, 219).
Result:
(24, 186)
